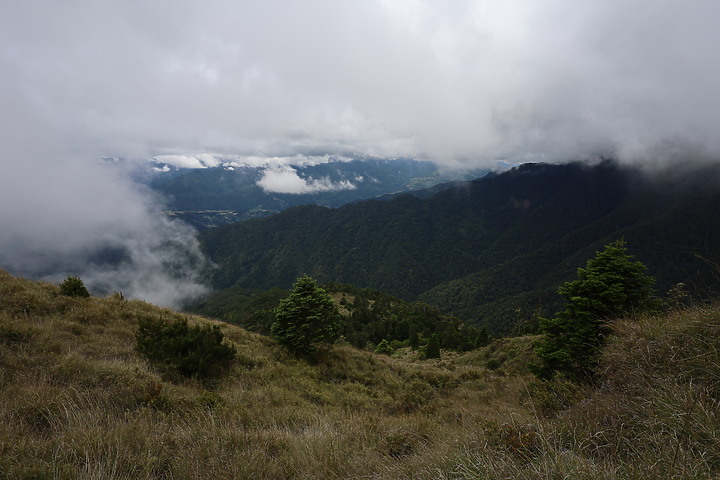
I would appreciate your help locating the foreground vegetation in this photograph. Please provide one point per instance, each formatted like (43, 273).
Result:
(77, 400)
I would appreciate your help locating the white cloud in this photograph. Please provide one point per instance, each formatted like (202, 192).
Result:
(204, 160)
(284, 179)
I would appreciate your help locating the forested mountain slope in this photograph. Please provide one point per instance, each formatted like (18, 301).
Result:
(493, 250)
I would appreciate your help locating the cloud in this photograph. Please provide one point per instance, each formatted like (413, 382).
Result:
(380, 77)
(63, 211)
(453, 82)
(205, 160)
(75, 217)
(284, 179)
(190, 161)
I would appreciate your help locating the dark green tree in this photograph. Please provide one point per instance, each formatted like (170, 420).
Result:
(308, 320)
(74, 287)
(414, 340)
(432, 349)
(483, 337)
(610, 286)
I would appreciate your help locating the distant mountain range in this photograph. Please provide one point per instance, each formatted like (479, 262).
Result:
(225, 191)
(491, 251)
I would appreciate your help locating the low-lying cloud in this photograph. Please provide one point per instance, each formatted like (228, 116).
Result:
(87, 221)
(285, 179)
(64, 212)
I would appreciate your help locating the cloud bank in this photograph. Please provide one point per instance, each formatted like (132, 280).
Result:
(465, 81)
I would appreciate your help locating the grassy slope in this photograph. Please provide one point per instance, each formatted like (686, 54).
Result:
(76, 401)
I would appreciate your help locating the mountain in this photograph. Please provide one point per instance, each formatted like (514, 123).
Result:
(226, 192)
(492, 251)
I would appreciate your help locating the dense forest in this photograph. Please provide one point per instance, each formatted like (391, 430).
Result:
(370, 317)
(492, 251)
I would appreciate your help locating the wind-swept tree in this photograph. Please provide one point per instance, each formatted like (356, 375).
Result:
(308, 320)
(610, 286)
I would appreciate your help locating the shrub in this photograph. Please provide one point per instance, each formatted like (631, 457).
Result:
(493, 364)
(384, 348)
(74, 287)
(192, 351)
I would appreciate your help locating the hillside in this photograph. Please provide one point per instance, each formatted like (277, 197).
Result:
(78, 402)
(491, 251)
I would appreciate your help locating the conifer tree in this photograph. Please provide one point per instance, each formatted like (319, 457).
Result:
(432, 349)
(384, 348)
(610, 286)
(308, 320)
(74, 287)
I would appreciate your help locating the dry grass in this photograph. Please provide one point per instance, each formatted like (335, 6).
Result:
(76, 401)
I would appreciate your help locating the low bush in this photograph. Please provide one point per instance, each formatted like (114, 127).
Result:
(192, 351)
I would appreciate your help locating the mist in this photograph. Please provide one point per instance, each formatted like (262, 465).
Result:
(463, 84)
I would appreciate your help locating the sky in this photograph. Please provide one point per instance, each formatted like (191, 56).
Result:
(461, 83)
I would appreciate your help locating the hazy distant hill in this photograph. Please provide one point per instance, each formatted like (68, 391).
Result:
(492, 250)
(206, 197)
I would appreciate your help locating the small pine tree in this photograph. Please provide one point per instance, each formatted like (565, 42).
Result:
(74, 287)
(308, 320)
(384, 348)
(611, 286)
(432, 349)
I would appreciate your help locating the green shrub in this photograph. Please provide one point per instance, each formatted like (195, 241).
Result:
(74, 287)
(384, 348)
(493, 364)
(192, 351)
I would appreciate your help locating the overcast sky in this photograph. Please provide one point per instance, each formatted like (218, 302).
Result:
(457, 82)
(448, 81)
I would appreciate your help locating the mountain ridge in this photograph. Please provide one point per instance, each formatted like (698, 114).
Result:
(492, 246)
